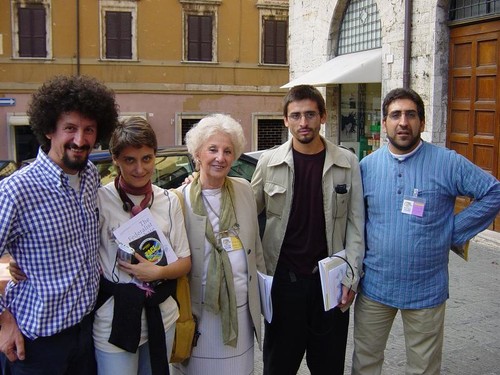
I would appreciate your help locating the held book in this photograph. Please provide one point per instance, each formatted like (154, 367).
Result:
(266, 305)
(141, 234)
(331, 272)
(462, 251)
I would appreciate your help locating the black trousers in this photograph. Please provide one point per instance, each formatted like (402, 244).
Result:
(69, 352)
(301, 325)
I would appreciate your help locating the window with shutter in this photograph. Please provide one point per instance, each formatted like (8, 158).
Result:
(275, 41)
(118, 35)
(199, 38)
(32, 31)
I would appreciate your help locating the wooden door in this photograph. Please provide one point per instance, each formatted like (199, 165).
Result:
(474, 97)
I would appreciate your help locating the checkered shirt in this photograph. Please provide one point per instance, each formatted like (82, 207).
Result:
(51, 230)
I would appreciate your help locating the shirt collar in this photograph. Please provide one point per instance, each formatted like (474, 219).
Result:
(54, 171)
(406, 156)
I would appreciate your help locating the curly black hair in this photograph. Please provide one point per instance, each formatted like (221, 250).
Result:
(63, 94)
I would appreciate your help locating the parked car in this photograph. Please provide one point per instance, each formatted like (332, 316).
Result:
(173, 165)
(7, 167)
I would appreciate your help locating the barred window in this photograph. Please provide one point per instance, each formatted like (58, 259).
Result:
(464, 9)
(361, 27)
(271, 132)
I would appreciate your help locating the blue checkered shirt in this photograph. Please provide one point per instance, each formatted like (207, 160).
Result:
(51, 230)
(406, 259)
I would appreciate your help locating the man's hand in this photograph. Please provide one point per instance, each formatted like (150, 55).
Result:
(16, 273)
(11, 338)
(190, 178)
(347, 298)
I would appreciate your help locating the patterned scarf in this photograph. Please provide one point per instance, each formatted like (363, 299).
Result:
(219, 291)
(123, 189)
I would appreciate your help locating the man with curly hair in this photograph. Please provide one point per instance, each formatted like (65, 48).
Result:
(49, 224)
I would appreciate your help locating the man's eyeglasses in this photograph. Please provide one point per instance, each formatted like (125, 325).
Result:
(296, 116)
(410, 115)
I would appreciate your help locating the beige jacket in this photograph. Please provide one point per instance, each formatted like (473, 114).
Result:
(272, 184)
(249, 235)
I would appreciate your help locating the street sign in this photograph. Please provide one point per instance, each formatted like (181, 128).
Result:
(7, 102)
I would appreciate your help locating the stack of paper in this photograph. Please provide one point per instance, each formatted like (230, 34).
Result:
(331, 271)
(266, 305)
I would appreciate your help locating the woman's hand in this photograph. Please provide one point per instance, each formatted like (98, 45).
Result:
(16, 273)
(144, 270)
(147, 271)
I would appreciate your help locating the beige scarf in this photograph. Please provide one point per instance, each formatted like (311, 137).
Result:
(219, 291)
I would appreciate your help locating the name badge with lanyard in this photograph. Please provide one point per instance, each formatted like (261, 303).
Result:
(413, 205)
(229, 239)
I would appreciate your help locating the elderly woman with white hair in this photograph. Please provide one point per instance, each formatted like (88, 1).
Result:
(223, 233)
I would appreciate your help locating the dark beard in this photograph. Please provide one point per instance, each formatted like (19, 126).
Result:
(404, 148)
(305, 140)
(76, 165)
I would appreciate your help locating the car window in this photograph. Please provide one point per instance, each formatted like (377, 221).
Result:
(107, 171)
(243, 168)
(7, 167)
(171, 170)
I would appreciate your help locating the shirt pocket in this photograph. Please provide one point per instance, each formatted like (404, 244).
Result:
(275, 198)
(341, 201)
(433, 208)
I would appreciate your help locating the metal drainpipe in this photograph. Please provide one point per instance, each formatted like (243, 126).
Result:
(77, 37)
(407, 43)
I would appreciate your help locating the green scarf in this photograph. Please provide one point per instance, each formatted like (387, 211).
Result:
(219, 290)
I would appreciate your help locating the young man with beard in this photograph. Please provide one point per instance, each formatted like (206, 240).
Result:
(311, 192)
(49, 224)
(410, 188)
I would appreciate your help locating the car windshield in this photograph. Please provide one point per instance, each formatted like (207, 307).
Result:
(7, 167)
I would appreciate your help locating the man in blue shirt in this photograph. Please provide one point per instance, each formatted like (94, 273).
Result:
(49, 224)
(410, 188)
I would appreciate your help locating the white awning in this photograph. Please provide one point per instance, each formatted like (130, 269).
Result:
(358, 67)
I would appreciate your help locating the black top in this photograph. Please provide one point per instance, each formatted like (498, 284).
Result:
(305, 238)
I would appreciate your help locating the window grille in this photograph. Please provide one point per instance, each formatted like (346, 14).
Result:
(465, 9)
(270, 133)
(361, 27)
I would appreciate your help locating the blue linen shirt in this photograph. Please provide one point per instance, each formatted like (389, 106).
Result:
(406, 260)
(51, 230)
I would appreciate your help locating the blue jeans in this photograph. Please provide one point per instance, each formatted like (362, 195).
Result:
(125, 363)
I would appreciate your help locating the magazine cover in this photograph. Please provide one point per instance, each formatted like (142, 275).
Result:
(141, 234)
